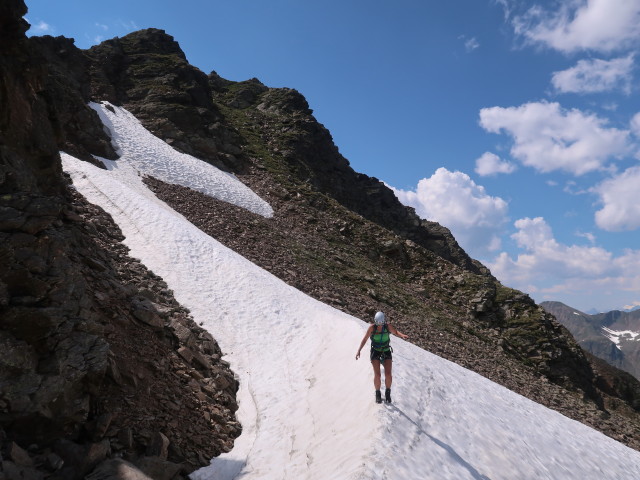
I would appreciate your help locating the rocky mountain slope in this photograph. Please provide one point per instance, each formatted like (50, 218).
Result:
(91, 339)
(612, 336)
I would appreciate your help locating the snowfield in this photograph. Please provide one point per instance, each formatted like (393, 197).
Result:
(620, 336)
(306, 405)
(151, 156)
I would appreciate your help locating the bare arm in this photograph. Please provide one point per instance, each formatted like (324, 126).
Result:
(364, 340)
(395, 331)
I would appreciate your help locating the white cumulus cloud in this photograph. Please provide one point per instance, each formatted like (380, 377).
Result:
(454, 200)
(595, 75)
(619, 197)
(574, 25)
(505, 4)
(534, 235)
(491, 164)
(579, 275)
(548, 137)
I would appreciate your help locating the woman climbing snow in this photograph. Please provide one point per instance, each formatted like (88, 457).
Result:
(380, 335)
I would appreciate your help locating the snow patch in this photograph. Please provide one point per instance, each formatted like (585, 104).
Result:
(618, 337)
(150, 156)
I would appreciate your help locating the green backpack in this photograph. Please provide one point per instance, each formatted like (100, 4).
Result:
(380, 340)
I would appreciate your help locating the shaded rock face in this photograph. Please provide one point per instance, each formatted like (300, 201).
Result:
(77, 127)
(76, 312)
(40, 288)
(97, 359)
(27, 144)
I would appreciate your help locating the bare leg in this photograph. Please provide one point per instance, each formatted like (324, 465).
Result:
(376, 373)
(387, 373)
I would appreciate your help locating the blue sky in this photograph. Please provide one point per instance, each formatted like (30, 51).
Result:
(512, 122)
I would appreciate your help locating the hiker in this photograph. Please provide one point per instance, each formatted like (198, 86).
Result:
(380, 333)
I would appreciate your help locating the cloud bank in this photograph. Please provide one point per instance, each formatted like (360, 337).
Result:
(549, 269)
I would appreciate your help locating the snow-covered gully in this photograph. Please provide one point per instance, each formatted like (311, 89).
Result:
(306, 404)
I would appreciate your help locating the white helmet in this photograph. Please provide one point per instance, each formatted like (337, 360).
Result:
(380, 319)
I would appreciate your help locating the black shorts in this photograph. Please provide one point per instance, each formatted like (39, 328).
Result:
(381, 356)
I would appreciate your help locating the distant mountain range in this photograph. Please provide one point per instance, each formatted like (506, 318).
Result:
(612, 336)
(593, 311)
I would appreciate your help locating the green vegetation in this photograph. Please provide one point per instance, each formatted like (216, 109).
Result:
(154, 65)
(505, 293)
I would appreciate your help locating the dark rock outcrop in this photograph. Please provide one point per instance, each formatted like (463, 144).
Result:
(28, 151)
(77, 128)
(92, 345)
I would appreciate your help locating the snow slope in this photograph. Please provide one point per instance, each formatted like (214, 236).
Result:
(149, 155)
(306, 404)
(620, 337)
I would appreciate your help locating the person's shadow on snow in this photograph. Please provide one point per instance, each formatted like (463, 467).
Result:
(223, 469)
(457, 458)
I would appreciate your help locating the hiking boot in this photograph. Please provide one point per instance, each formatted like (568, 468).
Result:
(387, 395)
(378, 396)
